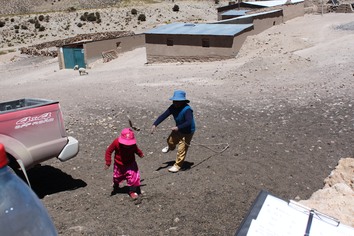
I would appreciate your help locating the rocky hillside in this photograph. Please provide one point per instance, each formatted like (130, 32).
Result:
(34, 28)
(13, 7)
(31, 6)
(30, 22)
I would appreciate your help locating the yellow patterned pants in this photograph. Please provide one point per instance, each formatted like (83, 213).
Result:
(183, 142)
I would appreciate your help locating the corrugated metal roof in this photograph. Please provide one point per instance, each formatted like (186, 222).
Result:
(246, 16)
(259, 14)
(200, 29)
(272, 3)
(235, 13)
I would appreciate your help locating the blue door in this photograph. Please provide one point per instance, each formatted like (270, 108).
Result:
(74, 56)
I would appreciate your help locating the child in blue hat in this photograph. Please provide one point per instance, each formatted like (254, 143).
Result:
(182, 133)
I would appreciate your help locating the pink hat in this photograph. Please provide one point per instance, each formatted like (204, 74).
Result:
(127, 137)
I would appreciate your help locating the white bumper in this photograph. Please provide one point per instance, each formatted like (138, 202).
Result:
(70, 150)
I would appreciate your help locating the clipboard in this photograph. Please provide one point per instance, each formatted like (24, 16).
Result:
(252, 213)
(272, 216)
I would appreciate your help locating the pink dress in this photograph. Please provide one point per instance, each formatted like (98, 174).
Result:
(125, 166)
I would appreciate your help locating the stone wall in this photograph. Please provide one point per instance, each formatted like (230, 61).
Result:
(49, 48)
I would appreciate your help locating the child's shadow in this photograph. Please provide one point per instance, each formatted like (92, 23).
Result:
(126, 190)
(186, 165)
(123, 190)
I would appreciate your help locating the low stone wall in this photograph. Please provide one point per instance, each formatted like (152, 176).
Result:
(181, 59)
(49, 48)
(48, 52)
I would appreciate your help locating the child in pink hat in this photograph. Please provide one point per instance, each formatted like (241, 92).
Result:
(125, 166)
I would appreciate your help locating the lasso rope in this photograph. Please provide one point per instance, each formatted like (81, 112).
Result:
(194, 143)
(206, 146)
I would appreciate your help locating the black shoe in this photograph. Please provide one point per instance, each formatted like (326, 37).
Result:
(115, 190)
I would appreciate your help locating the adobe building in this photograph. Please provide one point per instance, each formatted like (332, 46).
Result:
(85, 52)
(219, 40)
(291, 8)
(181, 42)
(232, 14)
(261, 20)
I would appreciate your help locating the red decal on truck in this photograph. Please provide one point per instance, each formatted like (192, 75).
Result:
(34, 120)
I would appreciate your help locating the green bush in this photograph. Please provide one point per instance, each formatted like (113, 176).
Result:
(83, 18)
(175, 8)
(71, 9)
(16, 27)
(2, 23)
(32, 21)
(142, 17)
(134, 11)
(41, 18)
(24, 27)
(79, 25)
(41, 28)
(91, 17)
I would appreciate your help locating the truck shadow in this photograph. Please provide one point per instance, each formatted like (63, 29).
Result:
(46, 180)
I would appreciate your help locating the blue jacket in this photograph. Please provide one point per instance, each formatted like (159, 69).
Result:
(183, 117)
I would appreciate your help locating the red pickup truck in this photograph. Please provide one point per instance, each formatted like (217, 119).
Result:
(33, 131)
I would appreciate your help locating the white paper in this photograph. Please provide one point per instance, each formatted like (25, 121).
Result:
(278, 218)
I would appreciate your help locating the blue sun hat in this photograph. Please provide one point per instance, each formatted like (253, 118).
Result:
(179, 95)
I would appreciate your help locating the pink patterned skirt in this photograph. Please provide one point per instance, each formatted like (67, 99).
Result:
(129, 172)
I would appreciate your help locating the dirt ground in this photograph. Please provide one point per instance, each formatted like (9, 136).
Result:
(283, 107)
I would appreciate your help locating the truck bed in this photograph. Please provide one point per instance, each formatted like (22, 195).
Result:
(23, 103)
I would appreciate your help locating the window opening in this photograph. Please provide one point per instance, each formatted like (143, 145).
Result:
(205, 43)
(169, 42)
